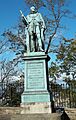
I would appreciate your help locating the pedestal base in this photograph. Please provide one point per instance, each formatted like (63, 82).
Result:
(35, 96)
(33, 108)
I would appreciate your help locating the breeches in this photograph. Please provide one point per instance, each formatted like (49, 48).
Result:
(38, 35)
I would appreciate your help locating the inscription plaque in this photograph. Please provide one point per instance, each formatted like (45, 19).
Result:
(35, 75)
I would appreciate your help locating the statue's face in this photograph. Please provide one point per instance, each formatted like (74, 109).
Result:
(32, 9)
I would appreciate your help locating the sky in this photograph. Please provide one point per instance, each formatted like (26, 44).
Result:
(9, 13)
(70, 23)
(9, 16)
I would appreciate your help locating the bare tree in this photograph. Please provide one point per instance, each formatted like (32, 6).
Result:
(54, 12)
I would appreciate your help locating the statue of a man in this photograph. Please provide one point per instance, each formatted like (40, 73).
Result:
(35, 30)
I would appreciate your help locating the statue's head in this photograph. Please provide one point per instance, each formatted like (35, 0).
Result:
(32, 9)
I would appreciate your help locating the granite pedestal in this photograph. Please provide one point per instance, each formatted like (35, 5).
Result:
(36, 96)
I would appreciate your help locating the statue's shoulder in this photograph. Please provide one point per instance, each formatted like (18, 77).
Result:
(38, 13)
(28, 16)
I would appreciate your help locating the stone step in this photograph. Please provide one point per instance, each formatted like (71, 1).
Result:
(72, 116)
(52, 116)
(5, 117)
(71, 112)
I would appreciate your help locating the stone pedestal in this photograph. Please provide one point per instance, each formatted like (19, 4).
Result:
(36, 93)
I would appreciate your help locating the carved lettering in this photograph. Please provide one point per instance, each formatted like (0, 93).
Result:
(35, 75)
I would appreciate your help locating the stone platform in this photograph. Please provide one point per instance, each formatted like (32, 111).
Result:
(53, 116)
(16, 113)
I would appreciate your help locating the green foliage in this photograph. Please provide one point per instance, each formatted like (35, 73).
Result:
(53, 71)
(12, 94)
(66, 60)
(67, 56)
